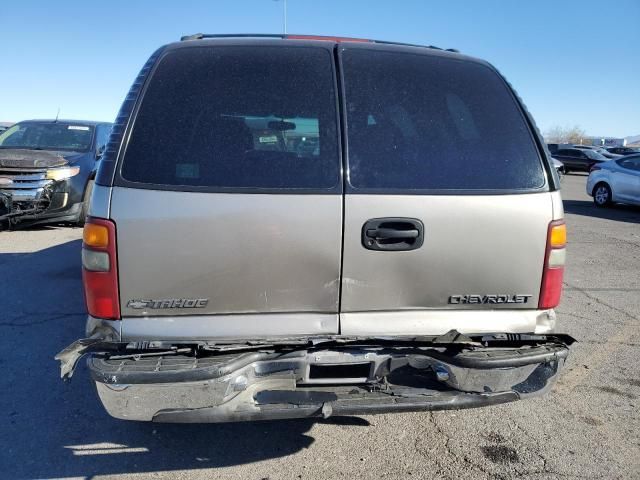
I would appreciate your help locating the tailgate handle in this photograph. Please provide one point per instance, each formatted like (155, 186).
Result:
(389, 233)
(392, 234)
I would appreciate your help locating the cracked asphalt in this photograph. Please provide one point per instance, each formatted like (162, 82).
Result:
(588, 427)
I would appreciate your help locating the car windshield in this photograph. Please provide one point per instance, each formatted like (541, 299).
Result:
(48, 136)
(593, 155)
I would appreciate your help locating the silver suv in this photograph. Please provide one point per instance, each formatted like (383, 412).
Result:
(296, 226)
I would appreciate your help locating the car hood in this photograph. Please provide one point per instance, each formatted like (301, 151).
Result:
(25, 158)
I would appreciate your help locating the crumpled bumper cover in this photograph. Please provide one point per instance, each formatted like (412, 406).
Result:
(188, 384)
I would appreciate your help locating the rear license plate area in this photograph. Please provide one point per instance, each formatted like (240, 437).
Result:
(327, 373)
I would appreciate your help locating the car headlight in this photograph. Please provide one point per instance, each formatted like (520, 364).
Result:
(62, 173)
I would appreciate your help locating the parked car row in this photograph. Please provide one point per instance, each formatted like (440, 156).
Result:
(601, 150)
(581, 158)
(624, 150)
(576, 159)
(614, 172)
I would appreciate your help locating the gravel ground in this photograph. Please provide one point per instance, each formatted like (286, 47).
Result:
(588, 427)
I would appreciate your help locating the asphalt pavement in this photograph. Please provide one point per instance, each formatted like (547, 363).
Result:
(588, 427)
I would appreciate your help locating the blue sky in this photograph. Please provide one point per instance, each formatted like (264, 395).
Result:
(573, 62)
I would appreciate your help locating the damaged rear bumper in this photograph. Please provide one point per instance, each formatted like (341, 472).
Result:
(198, 384)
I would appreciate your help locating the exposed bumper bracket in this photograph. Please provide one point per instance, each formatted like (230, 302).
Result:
(339, 376)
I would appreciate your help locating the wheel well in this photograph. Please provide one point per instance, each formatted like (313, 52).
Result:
(92, 176)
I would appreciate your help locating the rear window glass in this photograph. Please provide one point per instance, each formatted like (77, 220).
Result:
(237, 117)
(431, 123)
(632, 163)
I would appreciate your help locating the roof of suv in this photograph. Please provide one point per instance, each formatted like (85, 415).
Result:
(325, 38)
(280, 39)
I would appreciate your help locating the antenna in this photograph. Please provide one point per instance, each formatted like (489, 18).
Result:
(284, 15)
(57, 115)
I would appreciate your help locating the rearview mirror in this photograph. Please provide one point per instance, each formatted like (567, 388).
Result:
(100, 152)
(281, 126)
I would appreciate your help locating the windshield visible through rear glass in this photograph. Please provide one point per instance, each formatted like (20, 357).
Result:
(593, 155)
(237, 117)
(48, 136)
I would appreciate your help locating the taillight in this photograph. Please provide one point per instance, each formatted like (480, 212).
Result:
(100, 268)
(595, 167)
(554, 260)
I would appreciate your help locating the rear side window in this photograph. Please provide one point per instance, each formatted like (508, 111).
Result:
(237, 117)
(423, 122)
(630, 163)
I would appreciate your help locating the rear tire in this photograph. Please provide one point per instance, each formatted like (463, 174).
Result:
(84, 210)
(602, 195)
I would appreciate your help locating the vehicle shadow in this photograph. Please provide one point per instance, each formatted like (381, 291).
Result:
(617, 212)
(31, 226)
(55, 429)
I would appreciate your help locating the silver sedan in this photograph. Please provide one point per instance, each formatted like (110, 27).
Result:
(615, 181)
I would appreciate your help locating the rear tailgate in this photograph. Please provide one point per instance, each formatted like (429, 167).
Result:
(447, 207)
(478, 252)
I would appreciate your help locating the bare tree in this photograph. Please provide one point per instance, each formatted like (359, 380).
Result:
(555, 134)
(575, 134)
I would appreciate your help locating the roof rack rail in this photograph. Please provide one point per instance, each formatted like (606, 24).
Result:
(387, 42)
(200, 36)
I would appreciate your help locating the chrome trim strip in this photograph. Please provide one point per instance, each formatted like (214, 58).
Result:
(438, 322)
(24, 195)
(23, 177)
(211, 327)
(27, 185)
